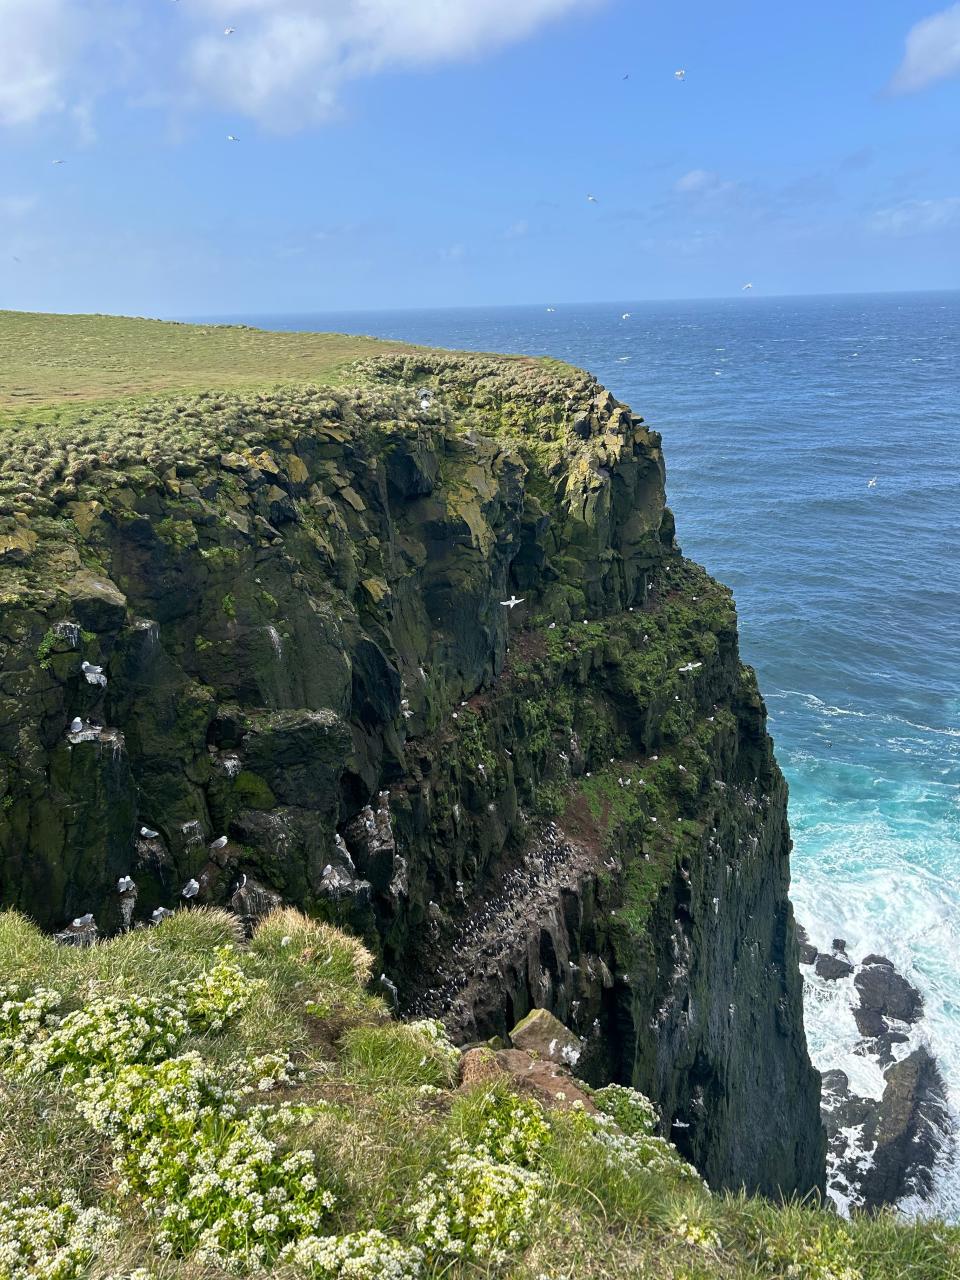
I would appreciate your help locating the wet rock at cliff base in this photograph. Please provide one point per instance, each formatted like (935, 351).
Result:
(549, 1082)
(543, 1034)
(882, 1149)
(913, 1125)
(832, 967)
(808, 952)
(885, 993)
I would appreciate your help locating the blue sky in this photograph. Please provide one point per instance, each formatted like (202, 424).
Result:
(401, 153)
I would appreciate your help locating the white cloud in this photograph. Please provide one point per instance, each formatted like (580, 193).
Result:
(285, 64)
(914, 217)
(703, 183)
(38, 40)
(288, 59)
(932, 52)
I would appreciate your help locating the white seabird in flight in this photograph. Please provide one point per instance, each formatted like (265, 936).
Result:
(748, 285)
(872, 482)
(513, 602)
(680, 75)
(228, 31)
(591, 199)
(232, 137)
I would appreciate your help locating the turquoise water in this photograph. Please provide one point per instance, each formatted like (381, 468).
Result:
(775, 414)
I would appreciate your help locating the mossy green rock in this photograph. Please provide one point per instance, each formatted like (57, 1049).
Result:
(296, 598)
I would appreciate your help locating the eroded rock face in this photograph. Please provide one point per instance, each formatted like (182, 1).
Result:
(297, 605)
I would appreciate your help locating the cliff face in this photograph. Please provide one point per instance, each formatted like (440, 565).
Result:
(278, 620)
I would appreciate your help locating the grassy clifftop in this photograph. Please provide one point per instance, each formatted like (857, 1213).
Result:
(177, 1103)
(59, 360)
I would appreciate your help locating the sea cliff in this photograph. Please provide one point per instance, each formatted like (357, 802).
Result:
(254, 646)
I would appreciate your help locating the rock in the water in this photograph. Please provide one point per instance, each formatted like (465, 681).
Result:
(833, 966)
(913, 1125)
(543, 1034)
(886, 993)
(808, 952)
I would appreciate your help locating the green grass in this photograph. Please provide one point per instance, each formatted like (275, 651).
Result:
(48, 360)
(376, 1106)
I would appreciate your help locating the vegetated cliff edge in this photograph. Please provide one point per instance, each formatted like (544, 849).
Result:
(277, 618)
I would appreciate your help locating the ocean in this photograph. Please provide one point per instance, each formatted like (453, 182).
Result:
(776, 413)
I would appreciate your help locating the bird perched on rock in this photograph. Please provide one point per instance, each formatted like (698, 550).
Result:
(76, 725)
(391, 990)
(191, 889)
(219, 843)
(125, 884)
(159, 914)
(148, 833)
(81, 922)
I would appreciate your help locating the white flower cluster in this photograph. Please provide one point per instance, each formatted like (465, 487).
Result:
(270, 1071)
(478, 1209)
(50, 1241)
(24, 1016)
(435, 1033)
(221, 993)
(642, 1151)
(515, 1132)
(634, 1113)
(211, 1177)
(365, 1255)
(105, 1035)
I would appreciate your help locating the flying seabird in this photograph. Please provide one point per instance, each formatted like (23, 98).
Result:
(232, 137)
(125, 884)
(690, 666)
(58, 162)
(592, 199)
(625, 316)
(191, 889)
(680, 75)
(228, 31)
(513, 602)
(872, 482)
(748, 285)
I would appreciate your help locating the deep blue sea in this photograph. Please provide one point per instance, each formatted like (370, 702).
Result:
(775, 415)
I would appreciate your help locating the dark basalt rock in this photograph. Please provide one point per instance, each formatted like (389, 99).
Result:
(833, 967)
(884, 993)
(297, 603)
(897, 1138)
(808, 952)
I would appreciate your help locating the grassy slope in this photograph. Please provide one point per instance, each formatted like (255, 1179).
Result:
(55, 360)
(383, 1113)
